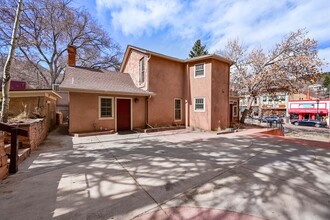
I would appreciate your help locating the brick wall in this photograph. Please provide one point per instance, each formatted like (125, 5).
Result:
(3, 159)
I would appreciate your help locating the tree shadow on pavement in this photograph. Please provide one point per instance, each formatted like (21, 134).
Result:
(123, 179)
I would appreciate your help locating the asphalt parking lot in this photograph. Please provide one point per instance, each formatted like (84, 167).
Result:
(170, 175)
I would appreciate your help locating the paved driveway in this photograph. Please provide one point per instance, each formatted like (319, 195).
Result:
(170, 175)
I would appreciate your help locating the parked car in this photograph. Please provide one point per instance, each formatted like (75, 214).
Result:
(273, 118)
(307, 122)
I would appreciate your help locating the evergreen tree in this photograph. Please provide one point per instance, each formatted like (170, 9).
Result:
(326, 81)
(198, 49)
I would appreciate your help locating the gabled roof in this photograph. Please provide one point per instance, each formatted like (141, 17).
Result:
(210, 56)
(152, 53)
(82, 79)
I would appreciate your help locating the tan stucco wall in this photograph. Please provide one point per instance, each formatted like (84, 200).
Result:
(220, 95)
(200, 88)
(132, 68)
(84, 112)
(166, 80)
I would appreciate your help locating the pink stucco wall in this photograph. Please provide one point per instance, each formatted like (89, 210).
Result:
(200, 88)
(166, 80)
(132, 68)
(84, 112)
(220, 95)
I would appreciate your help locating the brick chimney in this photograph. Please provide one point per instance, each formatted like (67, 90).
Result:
(308, 95)
(71, 55)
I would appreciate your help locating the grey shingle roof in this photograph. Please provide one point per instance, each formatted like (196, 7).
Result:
(98, 80)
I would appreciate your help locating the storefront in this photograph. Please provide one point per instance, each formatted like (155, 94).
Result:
(309, 109)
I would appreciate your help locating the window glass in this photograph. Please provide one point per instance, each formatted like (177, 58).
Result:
(106, 107)
(199, 70)
(142, 70)
(199, 104)
(177, 109)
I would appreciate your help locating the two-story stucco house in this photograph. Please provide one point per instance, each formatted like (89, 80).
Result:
(151, 89)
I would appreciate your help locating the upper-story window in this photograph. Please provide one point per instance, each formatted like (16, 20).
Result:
(199, 70)
(142, 71)
(255, 101)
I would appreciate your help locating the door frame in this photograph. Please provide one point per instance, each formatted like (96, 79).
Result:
(131, 104)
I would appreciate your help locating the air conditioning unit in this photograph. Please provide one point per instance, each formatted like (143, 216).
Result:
(56, 87)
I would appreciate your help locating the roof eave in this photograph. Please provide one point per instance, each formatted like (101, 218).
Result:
(69, 89)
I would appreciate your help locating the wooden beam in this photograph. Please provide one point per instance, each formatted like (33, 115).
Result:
(13, 166)
(8, 128)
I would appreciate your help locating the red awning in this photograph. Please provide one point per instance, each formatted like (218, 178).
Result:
(313, 111)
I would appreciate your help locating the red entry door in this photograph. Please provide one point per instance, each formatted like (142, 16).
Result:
(123, 114)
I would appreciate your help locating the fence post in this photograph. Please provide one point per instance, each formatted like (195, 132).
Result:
(13, 166)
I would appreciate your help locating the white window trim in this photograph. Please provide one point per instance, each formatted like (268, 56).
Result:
(180, 109)
(235, 115)
(112, 112)
(196, 77)
(199, 110)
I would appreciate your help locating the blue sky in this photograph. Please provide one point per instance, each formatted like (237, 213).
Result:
(172, 26)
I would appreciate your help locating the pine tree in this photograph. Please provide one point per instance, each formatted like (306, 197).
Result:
(326, 81)
(198, 49)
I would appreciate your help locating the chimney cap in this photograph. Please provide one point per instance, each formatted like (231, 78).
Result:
(71, 45)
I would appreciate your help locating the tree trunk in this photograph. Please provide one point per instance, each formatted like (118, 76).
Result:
(260, 107)
(248, 109)
(6, 69)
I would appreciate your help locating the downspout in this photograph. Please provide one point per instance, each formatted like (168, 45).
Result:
(146, 116)
(147, 98)
(187, 97)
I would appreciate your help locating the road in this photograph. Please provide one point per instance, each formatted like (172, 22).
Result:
(305, 132)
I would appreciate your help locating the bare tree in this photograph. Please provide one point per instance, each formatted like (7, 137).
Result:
(293, 60)
(7, 66)
(48, 26)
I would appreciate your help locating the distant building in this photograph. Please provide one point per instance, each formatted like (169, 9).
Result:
(309, 109)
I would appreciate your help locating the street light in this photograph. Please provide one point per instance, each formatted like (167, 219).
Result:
(317, 108)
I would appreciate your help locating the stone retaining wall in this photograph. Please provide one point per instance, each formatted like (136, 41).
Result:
(38, 131)
(3, 159)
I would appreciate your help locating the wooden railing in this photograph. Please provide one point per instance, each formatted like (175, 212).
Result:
(14, 132)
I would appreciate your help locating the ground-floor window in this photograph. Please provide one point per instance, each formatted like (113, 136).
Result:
(235, 111)
(177, 109)
(105, 107)
(199, 104)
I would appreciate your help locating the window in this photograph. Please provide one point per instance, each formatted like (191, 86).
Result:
(199, 70)
(142, 70)
(106, 107)
(199, 104)
(235, 111)
(264, 98)
(177, 109)
(255, 101)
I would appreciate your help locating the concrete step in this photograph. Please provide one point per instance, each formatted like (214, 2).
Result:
(7, 148)
(22, 155)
